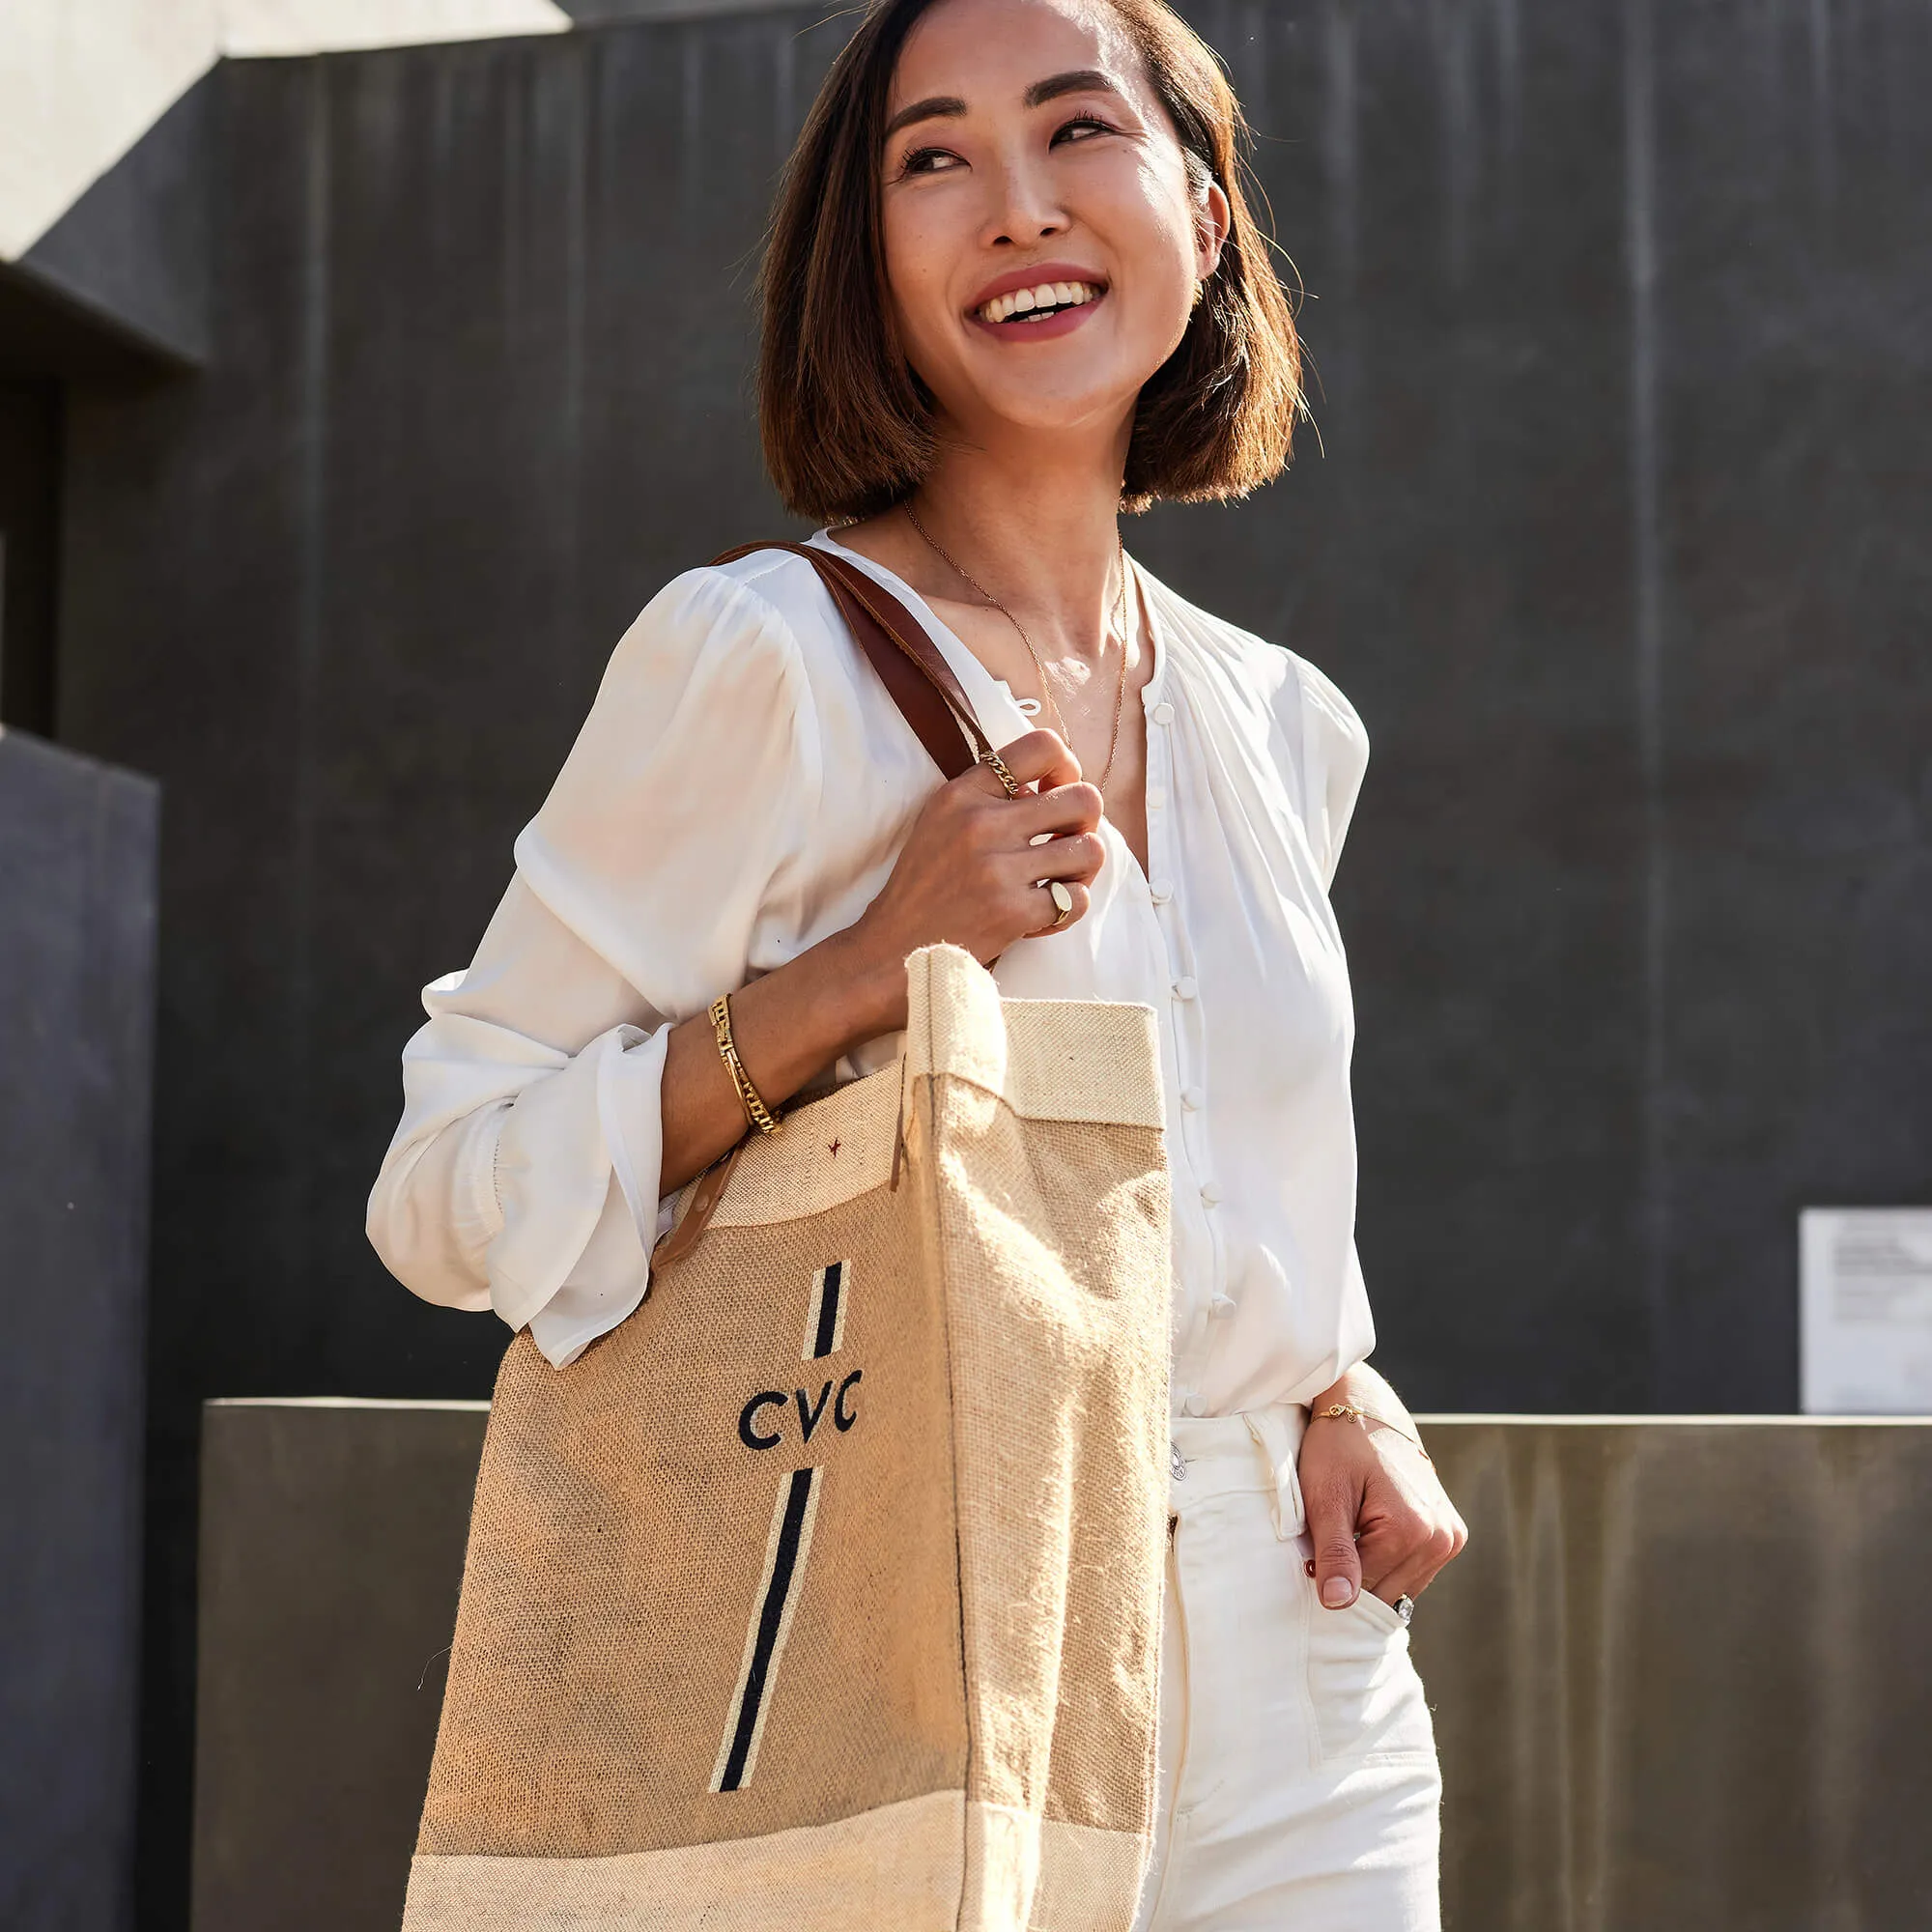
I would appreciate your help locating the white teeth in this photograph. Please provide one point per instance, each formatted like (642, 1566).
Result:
(1048, 294)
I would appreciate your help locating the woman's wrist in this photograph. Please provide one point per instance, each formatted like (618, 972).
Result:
(1351, 1387)
(796, 1021)
(787, 1026)
(866, 982)
(1364, 1399)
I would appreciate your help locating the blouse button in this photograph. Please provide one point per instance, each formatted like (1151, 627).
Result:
(1163, 714)
(1184, 988)
(1159, 891)
(1195, 1405)
(1211, 1195)
(1221, 1307)
(1156, 797)
(1191, 1098)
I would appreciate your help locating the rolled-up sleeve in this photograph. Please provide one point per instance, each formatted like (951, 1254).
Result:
(524, 1173)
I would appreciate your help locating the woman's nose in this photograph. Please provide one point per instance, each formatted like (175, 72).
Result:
(1025, 208)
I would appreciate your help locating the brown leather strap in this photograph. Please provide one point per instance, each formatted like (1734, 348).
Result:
(675, 1243)
(917, 677)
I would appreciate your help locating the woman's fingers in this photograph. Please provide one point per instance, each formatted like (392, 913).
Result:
(1050, 919)
(1068, 864)
(1334, 1505)
(1042, 758)
(1409, 1531)
(1078, 856)
(1413, 1570)
(1067, 807)
(1061, 801)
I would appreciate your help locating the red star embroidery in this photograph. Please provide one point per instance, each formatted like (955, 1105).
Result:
(835, 1145)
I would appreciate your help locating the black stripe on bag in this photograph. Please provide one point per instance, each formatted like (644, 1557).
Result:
(786, 1555)
(825, 1325)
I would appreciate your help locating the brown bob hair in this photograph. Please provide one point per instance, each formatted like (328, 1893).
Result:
(847, 422)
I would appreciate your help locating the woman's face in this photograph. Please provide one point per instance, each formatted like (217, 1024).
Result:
(1027, 154)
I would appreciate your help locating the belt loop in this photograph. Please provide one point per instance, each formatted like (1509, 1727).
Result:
(1277, 1430)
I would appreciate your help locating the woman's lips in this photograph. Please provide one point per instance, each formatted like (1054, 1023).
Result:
(1033, 277)
(1043, 329)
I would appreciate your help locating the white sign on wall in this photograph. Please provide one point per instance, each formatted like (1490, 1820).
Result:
(1864, 1288)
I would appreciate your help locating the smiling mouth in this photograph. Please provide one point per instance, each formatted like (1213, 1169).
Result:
(1023, 306)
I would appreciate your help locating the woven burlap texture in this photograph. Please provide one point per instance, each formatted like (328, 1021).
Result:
(974, 1604)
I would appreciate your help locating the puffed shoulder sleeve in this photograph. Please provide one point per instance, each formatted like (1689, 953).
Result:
(686, 793)
(1334, 756)
(524, 1173)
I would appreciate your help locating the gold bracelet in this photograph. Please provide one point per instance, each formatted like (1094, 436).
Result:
(1336, 1410)
(756, 1113)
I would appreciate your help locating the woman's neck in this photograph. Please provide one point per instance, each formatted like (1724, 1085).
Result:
(1037, 526)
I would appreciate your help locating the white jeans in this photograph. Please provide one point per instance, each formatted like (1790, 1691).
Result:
(1299, 1787)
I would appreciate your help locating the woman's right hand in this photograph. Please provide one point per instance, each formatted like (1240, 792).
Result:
(969, 872)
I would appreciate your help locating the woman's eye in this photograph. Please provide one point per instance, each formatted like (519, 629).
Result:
(942, 161)
(927, 161)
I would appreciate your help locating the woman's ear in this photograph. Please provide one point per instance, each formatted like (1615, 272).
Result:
(1213, 219)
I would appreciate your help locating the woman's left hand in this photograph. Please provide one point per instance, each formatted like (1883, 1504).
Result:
(1378, 1515)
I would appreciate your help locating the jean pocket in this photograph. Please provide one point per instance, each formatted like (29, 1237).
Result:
(1367, 1698)
(1372, 1606)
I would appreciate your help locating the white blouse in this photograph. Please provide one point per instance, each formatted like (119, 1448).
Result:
(739, 792)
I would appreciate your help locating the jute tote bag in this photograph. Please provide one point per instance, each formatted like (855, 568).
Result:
(825, 1591)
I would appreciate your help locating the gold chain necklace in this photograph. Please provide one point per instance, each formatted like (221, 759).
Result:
(1040, 669)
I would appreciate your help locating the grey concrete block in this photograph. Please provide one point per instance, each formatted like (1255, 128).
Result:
(78, 843)
(1675, 1676)
(1679, 1675)
(332, 1551)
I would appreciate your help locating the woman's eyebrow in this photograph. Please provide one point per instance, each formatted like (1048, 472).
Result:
(1079, 80)
(935, 107)
(949, 106)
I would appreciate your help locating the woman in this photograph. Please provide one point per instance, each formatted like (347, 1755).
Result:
(1068, 313)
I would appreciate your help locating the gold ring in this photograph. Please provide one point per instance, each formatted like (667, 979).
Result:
(1062, 900)
(990, 756)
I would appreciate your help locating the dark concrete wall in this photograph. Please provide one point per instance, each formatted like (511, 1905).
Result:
(1676, 1678)
(77, 1033)
(30, 440)
(1616, 541)
(1620, 546)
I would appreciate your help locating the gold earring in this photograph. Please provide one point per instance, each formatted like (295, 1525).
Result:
(1200, 290)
